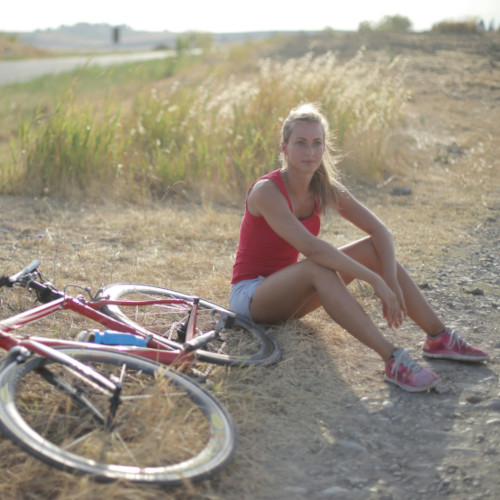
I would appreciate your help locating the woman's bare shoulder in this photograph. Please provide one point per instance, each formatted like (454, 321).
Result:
(263, 188)
(264, 193)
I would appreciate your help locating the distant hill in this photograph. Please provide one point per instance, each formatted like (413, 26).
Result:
(83, 37)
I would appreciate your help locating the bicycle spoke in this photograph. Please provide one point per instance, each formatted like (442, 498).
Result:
(76, 442)
(127, 450)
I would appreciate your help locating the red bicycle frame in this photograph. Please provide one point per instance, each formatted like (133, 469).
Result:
(158, 348)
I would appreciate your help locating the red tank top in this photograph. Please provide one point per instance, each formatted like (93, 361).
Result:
(261, 251)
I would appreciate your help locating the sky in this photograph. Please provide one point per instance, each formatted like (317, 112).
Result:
(227, 16)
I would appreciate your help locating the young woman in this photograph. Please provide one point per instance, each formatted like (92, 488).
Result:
(282, 220)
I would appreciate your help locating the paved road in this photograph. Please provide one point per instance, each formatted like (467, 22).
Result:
(20, 71)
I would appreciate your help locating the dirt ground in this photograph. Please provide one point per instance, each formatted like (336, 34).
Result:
(322, 423)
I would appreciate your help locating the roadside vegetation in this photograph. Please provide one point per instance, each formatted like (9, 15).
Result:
(196, 123)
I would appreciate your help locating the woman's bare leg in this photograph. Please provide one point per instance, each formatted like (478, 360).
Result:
(295, 290)
(418, 308)
(301, 288)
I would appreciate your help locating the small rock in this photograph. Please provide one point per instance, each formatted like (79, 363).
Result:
(401, 191)
(455, 149)
(351, 445)
(474, 398)
(335, 490)
(442, 388)
(357, 482)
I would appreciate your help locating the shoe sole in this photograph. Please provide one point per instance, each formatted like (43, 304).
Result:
(411, 388)
(456, 357)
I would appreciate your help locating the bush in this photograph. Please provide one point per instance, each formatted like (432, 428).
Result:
(388, 23)
(394, 23)
(455, 27)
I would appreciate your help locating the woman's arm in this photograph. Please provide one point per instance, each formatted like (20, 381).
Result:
(382, 239)
(363, 218)
(266, 200)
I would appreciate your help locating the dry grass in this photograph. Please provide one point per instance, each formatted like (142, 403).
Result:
(191, 248)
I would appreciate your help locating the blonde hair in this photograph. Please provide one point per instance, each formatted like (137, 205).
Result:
(325, 183)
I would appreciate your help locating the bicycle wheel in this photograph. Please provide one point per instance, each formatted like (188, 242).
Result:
(167, 429)
(239, 343)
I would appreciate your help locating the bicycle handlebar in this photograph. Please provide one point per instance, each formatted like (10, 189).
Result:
(44, 290)
(11, 280)
(27, 270)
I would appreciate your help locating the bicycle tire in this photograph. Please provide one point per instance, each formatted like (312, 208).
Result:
(163, 416)
(242, 344)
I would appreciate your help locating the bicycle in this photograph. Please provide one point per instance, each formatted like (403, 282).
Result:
(113, 411)
(157, 323)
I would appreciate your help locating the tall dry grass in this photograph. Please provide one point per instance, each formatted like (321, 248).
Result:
(72, 148)
(211, 136)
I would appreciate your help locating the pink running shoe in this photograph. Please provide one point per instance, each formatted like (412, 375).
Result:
(407, 374)
(449, 345)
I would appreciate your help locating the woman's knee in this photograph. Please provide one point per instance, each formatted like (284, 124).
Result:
(363, 251)
(320, 274)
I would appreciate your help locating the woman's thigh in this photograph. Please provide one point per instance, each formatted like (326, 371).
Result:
(291, 292)
(361, 251)
(287, 293)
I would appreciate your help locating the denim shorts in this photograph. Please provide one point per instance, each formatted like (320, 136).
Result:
(241, 295)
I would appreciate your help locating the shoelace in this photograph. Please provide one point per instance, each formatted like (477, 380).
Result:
(456, 339)
(403, 358)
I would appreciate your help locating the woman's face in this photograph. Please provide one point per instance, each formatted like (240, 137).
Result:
(304, 150)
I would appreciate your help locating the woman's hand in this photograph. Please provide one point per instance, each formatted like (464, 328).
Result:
(394, 286)
(393, 304)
